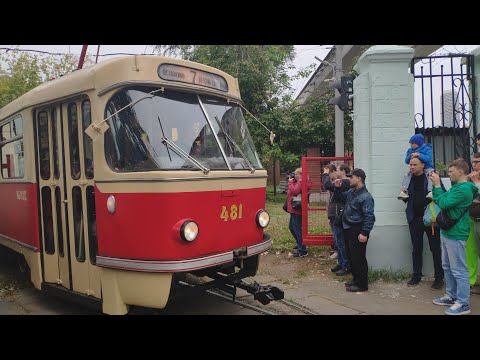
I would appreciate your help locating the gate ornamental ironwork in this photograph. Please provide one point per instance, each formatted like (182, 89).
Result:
(445, 106)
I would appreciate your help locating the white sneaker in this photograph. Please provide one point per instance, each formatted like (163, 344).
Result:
(334, 255)
(429, 196)
(402, 196)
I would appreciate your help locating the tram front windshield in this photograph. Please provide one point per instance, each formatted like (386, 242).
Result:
(207, 128)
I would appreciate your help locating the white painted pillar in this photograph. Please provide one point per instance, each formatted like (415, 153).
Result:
(383, 123)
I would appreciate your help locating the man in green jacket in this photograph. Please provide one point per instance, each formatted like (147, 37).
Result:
(453, 241)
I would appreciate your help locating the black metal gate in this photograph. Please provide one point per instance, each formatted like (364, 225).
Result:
(445, 106)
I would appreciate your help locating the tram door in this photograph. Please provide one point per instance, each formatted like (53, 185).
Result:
(51, 189)
(79, 190)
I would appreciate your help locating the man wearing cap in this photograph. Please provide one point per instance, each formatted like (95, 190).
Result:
(357, 221)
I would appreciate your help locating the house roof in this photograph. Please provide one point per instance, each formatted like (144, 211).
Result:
(316, 81)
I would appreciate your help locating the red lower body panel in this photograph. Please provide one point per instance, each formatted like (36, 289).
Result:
(19, 213)
(143, 224)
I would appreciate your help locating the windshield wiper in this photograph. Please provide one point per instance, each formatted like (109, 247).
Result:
(179, 151)
(228, 137)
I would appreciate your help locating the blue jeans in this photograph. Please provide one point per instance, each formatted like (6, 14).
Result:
(295, 227)
(340, 244)
(408, 177)
(454, 263)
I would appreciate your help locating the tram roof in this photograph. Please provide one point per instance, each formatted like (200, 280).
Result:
(101, 76)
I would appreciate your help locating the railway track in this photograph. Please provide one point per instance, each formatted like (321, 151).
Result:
(273, 308)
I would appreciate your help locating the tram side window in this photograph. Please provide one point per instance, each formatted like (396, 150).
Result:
(92, 225)
(87, 141)
(44, 145)
(127, 143)
(11, 149)
(74, 143)
(54, 144)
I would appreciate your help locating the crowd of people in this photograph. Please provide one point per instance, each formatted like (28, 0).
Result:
(449, 240)
(453, 237)
(351, 217)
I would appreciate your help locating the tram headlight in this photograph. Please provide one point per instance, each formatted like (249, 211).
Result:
(262, 218)
(111, 204)
(189, 231)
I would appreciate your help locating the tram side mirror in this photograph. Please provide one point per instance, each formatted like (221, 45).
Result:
(274, 138)
(94, 131)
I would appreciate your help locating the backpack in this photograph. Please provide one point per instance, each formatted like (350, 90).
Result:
(430, 216)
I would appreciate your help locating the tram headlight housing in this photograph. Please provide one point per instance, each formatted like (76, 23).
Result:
(111, 207)
(189, 231)
(262, 218)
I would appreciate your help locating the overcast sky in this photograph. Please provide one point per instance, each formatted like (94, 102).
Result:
(304, 54)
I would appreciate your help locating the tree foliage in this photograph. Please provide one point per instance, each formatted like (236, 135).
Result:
(297, 128)
(20, 72)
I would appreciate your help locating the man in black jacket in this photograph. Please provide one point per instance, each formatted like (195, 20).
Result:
(358, 219)
(416, 204)
(330, 174)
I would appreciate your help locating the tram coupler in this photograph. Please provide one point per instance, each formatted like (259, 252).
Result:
(262, 293)
(230, 283)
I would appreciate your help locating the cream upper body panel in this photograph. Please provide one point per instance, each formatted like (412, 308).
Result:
(141, 69)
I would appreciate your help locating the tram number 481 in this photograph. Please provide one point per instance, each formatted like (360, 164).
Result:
(234, 213)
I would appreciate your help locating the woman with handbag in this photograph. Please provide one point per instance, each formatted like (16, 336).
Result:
(294, 208)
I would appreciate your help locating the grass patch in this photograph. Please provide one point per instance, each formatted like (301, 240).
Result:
(388, 275)
(276, 199)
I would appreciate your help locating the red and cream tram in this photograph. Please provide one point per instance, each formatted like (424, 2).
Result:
(117, 177)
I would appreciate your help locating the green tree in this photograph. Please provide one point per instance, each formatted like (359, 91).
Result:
(299, 127)
(20, 72)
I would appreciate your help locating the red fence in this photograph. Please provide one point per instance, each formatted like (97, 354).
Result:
(315, 225)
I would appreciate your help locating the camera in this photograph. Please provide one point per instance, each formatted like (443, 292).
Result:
(291, 176)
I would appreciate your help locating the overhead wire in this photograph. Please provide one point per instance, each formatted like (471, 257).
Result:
(7, 49)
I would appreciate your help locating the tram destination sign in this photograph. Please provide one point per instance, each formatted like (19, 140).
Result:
(192, 76)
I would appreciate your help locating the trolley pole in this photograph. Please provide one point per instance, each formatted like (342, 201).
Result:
(339, 119)
(82, 57)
